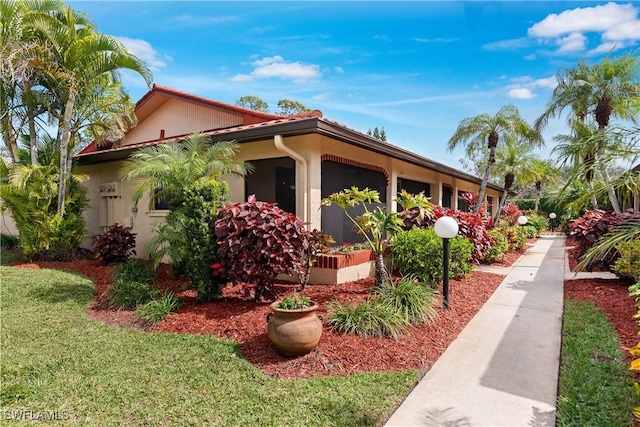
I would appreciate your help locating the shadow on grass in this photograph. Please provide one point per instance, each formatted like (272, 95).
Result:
(64, 291)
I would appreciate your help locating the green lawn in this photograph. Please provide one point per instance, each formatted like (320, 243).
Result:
(595, 386)
(55, 358)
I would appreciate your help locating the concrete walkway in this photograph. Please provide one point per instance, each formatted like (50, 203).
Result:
(502, 370)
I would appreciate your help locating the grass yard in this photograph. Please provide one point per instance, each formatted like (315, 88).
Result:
(595, 388)
(58, 362)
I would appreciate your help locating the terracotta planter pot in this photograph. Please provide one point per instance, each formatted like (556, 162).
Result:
(294, 332)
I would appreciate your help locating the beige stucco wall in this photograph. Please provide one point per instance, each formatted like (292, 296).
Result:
(7, 225)
(308, 185)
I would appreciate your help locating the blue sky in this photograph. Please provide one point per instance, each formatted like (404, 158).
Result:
(415, 68)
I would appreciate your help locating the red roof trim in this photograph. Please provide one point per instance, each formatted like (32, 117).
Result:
(91, 148)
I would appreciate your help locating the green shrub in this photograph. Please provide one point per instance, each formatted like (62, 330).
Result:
(188, 237)
(628, 265)
(134, 270)
(366, 319)
(498, 249)
(516, 237)
(31, 197)
(538, 221)
(413, 300)
(419, 252)
(129, 294)
(9, 242)
(158, 308)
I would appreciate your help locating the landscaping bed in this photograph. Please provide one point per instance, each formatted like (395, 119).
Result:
(244, 321)
(337, 354)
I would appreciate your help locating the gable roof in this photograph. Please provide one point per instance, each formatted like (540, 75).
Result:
(271, 124)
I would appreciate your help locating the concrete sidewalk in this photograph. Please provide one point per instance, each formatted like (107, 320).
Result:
(502, 370)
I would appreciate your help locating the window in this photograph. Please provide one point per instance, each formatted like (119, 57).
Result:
(160, 204)
(446, 196)
(490, 206)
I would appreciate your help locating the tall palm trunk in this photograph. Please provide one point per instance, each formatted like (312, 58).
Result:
(538, 195)
(31, 119)
(382, 274)
(8, 136)
(603, 114)
(65, 136)
(611, 191)
(501, 205)
(492, 144)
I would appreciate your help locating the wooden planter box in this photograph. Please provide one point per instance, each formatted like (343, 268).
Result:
(341, 268)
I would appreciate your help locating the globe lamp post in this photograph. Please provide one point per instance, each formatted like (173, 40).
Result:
(522, 220)
(552, 217)
(446, 228)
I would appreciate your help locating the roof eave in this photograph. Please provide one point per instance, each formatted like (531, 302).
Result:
(302, 127)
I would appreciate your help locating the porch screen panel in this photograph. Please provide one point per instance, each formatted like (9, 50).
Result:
(273, 180)
(413, 187)
(337, 177)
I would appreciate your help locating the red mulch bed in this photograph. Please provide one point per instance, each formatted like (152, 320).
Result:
(611, 296)
(339, 354)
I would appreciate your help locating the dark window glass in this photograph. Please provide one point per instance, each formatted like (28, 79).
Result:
(446, 196)
(337, 177)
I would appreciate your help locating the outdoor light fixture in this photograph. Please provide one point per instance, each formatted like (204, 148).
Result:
(552, 217)
(446, 228)
(522, 220)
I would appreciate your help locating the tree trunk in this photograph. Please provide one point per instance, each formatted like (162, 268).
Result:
(594, 201)
(538, 195)
(485, 179)
(31, 120)
(603, 113)
(65, 136)
(8, 137)
(501, 205)
(382, 275)
(33, 142)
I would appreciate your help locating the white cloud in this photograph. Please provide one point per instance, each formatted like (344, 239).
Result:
(617, 24)
(322, 96)
(530, 57)
(143, 50)
(508, 44)
(521, 93)
(523, 87)
(339, 70)
(574, 42)
(277, 67)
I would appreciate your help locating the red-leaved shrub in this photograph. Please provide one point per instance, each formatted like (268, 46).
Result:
(115, 245)
(257, 241)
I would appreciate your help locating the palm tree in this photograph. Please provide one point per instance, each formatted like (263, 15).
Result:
(19, 101)
(74, 63)
(513, 161)
(579, 151)
(168, 168)
(475, 132)
(541, 171)
(606, 89)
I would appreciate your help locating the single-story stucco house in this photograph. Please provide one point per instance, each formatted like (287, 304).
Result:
(298, 160)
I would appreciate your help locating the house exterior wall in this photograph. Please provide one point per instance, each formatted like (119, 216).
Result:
(311, 147)
(177, 118)
(7, 225)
